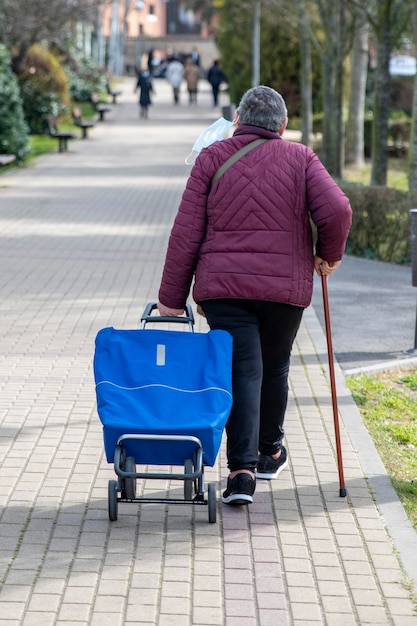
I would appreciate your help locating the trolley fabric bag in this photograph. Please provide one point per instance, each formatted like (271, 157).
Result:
(163, 382)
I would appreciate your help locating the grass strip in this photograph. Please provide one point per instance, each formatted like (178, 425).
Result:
(387, 402)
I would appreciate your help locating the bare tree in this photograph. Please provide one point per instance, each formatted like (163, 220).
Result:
(98, 40)
(412, 181)
(333, 15)
(26, 22)
(382, 26)
(359, 59)
(306, 73)
(299, 15)
(388, 20)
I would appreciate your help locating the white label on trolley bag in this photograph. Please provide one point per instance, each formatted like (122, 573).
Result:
(160, 354)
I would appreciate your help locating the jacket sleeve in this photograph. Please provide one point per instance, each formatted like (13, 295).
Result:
(186, 237)
(330, 211)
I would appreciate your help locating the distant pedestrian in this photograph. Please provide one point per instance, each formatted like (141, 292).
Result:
(192, 76)
(145, 85)
(151, 59)
(174, 75)
(195, 56)
(215, 77)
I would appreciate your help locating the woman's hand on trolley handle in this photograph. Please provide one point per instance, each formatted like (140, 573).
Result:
(165, 311)
(324, 268)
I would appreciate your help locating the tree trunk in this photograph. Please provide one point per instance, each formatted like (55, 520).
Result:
(412, 183)
(306, 75)
(355, 148)
(333, 57)
(381, 113)
(19, 56)
(113, 38)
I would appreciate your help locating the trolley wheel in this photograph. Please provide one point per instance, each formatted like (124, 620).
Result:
(212, 503)
(188, 483)
(130, 483)
(112, 501)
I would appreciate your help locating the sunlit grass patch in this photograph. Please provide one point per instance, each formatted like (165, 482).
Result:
(397, 177)
(388, 405)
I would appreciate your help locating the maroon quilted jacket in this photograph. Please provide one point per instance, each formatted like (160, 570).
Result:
(250, 236)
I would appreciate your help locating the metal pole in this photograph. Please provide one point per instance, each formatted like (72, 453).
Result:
(114, 29)
(139, 48)
(414, 350)
(413, 238)
(256, 55)
(139, 6)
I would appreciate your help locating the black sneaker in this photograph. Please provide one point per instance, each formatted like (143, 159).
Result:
(240, 489)
(269, 468)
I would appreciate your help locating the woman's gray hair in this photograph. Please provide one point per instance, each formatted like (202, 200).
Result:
(264, 107)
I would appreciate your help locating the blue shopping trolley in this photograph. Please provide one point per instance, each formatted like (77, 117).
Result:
(163, 397)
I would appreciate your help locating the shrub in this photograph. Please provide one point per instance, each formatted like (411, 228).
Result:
(43, 86)
(84, 78)
(380, 223)
(13, 129)
(399, 129)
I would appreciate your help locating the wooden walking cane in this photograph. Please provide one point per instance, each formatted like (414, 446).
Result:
(342, 487)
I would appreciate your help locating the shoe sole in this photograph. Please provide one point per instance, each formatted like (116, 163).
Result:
(238, 498)
(272, 475)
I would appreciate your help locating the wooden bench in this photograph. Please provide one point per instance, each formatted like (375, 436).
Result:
(83, 124)
(114, 94)
(51, 125)
(100, 107)
(5, 159)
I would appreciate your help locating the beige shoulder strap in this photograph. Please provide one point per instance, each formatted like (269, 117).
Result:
(235, 157)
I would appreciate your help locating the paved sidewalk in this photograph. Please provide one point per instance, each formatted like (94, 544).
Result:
(83, 236)
(379, 330)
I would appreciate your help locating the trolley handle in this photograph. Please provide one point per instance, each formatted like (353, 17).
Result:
(147, 316)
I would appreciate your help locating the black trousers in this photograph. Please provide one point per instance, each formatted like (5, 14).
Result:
(215, 91)
(263, 334)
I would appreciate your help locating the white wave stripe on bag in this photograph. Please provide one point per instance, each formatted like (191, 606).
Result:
(109, 382)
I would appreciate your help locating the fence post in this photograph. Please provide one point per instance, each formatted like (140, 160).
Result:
(413, 237)
(228, 112)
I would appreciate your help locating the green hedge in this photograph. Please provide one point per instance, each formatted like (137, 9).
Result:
(380, 223)
(13, 129)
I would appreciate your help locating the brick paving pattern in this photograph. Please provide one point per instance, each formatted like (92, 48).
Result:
(83, 236)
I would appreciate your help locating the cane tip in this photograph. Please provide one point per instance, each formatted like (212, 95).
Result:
(342, 493)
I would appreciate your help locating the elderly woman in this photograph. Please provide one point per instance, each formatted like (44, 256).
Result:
(247, 241)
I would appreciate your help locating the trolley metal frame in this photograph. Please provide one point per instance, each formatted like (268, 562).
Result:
(123, 490)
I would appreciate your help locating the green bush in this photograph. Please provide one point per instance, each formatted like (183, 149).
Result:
(399, 129)
(43, 86)
(84, 78)
(380, 223)
(13, 129)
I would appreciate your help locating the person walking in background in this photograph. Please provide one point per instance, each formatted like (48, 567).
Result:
(247, 242)
(192, 76)
(174, 75)
(195, 56)
(215, 77)
(144, 83)
(151, 59)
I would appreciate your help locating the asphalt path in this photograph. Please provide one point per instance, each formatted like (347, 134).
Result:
(372, 314)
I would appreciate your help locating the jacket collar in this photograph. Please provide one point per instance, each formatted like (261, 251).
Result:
(245, 129)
